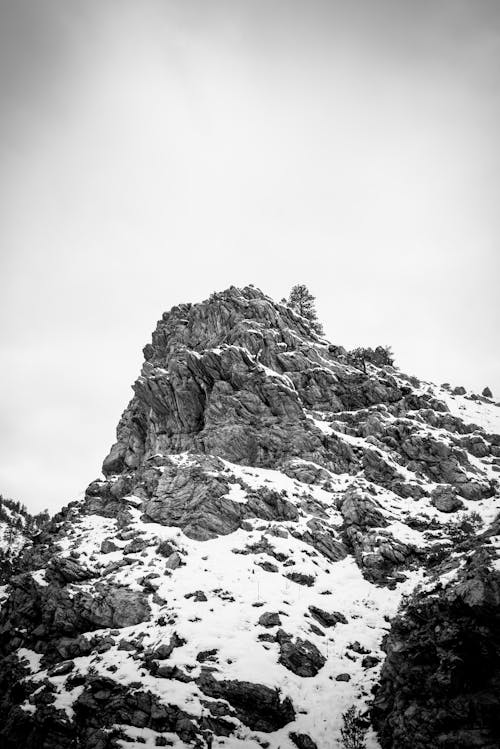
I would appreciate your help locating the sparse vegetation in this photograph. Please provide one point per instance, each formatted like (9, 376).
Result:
(464, 528)
(15, 514)
(381, 356)
(353, 729)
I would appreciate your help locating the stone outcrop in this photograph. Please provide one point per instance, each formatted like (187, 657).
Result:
(440, 683)
(300, 656)
(266, 505)
(257, 706)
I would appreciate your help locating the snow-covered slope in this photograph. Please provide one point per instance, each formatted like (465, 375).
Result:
(264, 512)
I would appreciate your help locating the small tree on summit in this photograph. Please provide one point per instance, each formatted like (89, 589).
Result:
(303, 302)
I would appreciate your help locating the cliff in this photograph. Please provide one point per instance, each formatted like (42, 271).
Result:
(266, 512)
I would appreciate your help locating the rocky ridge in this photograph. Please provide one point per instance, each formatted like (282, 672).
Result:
(266, 511)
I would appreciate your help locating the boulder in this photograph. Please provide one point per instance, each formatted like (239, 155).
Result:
(302, 741)
(300, 656)
(257, 706)
(325, 618)
(269, 619)
(108, 546)
(113, 606)
(445, 499)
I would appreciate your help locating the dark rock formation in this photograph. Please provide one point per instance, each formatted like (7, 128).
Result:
(301, 657)
(132, 610)
(327, 619)
(256, 706)
(440, 683)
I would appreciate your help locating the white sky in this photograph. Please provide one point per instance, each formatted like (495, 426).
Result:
(152, 152)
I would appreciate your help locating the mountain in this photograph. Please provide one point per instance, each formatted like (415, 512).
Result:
(278, 536)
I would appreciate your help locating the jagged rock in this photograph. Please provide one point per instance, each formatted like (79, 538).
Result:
(487, 392)
(301, 578)
(300, 656)
(104, 703)
(64, 570)
(108, 546)
(257, 706)
(230, 387)
(322, 537)
(475, 445)
(327, 619)
(165, 650)
(356, 647)
(444, 499)
(113, 606)
(206, 655)
(61, 668)
(370, 661)
(165, 549)
(173, 561)
(441, 677)
(361, 510)
(136, 545)
(172, 672)
(268, 566)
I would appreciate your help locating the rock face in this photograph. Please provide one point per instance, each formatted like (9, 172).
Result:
(440, 683)
(264, 510)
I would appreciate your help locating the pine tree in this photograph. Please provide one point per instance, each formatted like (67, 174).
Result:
(303, 302)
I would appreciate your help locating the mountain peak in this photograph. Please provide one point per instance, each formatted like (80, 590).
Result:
(268, 512)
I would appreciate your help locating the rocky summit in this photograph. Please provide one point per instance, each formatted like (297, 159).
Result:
(278, 536)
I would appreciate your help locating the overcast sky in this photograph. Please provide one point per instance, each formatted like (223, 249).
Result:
(152, 152)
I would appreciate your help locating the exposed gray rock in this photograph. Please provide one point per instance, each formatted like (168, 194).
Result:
(136, 545)
(445, 499)
(302, 741)
(108, 546)
(65, 570)
(239, 378)
(113, 606)
(173, 561)
(326, 618)
(301, 578)
(361, 510)
(269, 619)
(255, 705)
(300, 656)
(441, 678)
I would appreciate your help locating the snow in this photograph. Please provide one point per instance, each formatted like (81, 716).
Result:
(39, 577)
(237, 494)
(231, 626)
(239, 590)
(484, 414)
(32, 658)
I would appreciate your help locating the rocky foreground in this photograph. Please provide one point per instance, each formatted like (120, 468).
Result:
(278, 536)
